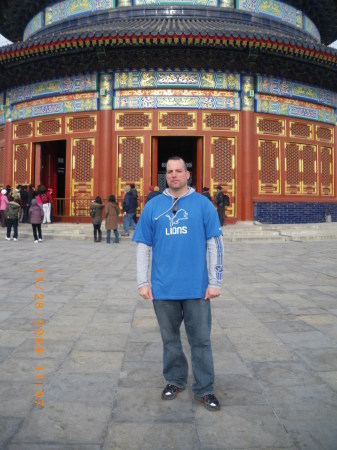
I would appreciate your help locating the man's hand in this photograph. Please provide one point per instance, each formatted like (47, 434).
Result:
(212, 292)
(145, 292)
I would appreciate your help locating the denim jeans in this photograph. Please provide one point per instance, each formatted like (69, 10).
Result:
(128, 222)
(97, 229)
(196, 315)
(108, 236)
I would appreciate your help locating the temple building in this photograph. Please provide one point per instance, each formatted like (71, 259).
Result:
(97, 94)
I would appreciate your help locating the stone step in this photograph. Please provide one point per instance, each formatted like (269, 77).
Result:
(239, 232)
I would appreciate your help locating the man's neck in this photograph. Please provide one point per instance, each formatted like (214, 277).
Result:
(178, 192)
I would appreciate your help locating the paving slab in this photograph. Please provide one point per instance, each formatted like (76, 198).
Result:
(274, 341)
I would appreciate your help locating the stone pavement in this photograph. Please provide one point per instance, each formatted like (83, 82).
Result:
(274, 338)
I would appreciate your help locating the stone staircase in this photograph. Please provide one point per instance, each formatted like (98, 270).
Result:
(239, 232)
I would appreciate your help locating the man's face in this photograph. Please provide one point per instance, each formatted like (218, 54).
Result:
(176, 175)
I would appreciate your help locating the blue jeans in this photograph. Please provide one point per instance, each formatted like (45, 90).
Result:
(128, 222)
(196, 315)
(108, 236)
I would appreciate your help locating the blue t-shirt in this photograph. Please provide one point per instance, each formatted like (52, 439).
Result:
(178, 241)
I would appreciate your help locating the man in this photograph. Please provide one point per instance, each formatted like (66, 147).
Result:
(129, 209)
(220, 204)
(135, 197)
(179, 225)
(205, 192)
(153, 192)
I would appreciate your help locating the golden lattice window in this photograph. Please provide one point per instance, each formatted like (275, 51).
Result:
(21, 157)
(177, 120)
(309, 159)
(300, 129)
(268, 152)
(220, 121)
(49, 127)
(23, 130)
(83, 123)
(130, 150)
(326, 166)
(223, 150)
(292, 155)
(134, 120)
(270, 126)
(324, 134)
(83, 152)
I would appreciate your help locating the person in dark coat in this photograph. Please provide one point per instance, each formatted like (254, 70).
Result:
(24, 203)
(154, 191)
(111, 219)
(97, 206)
(220, 204)
(129, 209)
(205, 192)
(12, 214)
(135, 197)
(36, 215)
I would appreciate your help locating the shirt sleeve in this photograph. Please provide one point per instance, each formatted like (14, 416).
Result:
(144, 229)
(215, 261)
(143, 264)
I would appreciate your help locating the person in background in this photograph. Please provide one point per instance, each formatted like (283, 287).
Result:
(35, 217)
(50, 190)
(205, 192)
(153, 192)
(181, 228)
(129, 209)
(111, 219)
(135, 196)
(97, 207)
(3, 203)
(24, 202)
(220, 204)
(46, 203)
(13, 214)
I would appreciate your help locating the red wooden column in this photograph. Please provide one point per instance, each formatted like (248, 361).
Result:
(105, 137)
(154, 168)
(8, 154)
(247, 149)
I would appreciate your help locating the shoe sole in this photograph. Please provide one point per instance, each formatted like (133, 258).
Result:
(173, 396)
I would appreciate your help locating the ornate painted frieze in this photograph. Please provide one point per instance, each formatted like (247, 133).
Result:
(311, 28)
(69, 8)
(286, 88)
(33, 26)
(226, 4)
(68, 85)
(179, 2)
(274, 9)
(294, 108)
(177, 79)
(56, 105)
(177, 99)
(105, 91)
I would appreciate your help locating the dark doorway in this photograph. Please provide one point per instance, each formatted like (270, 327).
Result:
(53, 167)
(183, 146)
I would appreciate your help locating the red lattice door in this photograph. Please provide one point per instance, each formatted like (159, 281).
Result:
(327, 171)
(82, 170)
(223, 169)
(21, 166)
(269, 166)
(130, 165)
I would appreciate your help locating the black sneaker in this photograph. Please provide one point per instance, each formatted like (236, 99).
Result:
(170, 392)
(210, 402)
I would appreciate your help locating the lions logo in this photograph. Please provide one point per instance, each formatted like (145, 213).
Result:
(174, 220)
(181, 215)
